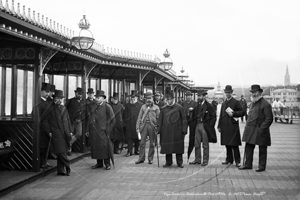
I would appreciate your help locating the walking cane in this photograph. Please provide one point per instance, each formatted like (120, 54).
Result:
(244, 158)
(157, 150)
(47, 153)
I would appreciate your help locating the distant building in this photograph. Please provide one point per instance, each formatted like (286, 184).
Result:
(218, 93)
(290, 97)
(287, 80)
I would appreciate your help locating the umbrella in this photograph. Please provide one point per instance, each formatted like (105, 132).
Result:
(110, 150)
(191, 142)
(46, 158)
(157, 150)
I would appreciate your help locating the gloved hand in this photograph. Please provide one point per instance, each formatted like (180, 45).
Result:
(184, 133)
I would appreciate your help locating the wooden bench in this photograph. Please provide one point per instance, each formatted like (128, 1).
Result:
(5, 151)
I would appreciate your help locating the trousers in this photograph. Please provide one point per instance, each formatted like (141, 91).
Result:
(201, 137)
(147, 131)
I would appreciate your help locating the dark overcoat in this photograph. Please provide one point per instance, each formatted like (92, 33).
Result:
(130, 118)
(230, 130)
(159, 103)
(75, 109)
(172, 125)
(58, 123)
(117, 132)
(101, 123)
(209, 120)
(260, 118)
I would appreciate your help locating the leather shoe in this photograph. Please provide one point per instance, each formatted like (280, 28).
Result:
(194, 163)
(116, 152)
(166, 165)
(128, 154)
(68, 169)
(97, 166)
(63, 174)
(181, 166)
(139, 162)
(203, 164)
(244, 168)
(107, 167)
(260, 170)
(150, 162)
(238, 165)
(137, 153)
(226, 163)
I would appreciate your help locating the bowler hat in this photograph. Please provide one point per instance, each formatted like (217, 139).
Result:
(59, 93)
(228, 89)
(78, 90)
(134, 93)
(52, 88)
(201, 92)
(115, 95)
(90, 91)
(255, 88)
(188, 93)
(46, 87)
(148, 94)
(157, 94)
(169, 94)
(100, 93)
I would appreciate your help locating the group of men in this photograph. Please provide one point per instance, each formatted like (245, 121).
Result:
(106, 124)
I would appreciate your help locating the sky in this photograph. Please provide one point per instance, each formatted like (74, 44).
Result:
(234, 42)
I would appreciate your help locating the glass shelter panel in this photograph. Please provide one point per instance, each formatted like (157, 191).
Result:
(20, 91)
(8, 92)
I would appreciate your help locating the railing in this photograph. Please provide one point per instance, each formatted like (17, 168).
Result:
(287, 113)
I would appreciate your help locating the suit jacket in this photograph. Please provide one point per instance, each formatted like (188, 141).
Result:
(75, 109)
(260, 118)
(209, 120)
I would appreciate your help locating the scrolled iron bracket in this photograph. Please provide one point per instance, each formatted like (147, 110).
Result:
(45, 56)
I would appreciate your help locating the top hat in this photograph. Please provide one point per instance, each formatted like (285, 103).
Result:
(188, 93)
(46, 87)
(115, 95)
(148, 94)
(52, 88)
(201, 92)
(134, 93)
(59, 93)
(169, 94)
(228, 89)
(79, 90)
(100, 93)
(90, 91)
(255, 88)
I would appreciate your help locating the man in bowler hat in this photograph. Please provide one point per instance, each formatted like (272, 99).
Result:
(146, 126)
(101, 122)
(51, 93)
(57, 125)
(257, 130)
(75, 109)
(228, 126)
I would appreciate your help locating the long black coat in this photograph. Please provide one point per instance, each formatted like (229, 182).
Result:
(58, 123)
(130, 117)
(101, 123)
(172, 124)
(230, 130)
(209, 120)
(117, 132)
(260, 118)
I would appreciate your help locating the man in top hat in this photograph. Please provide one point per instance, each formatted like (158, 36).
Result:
(51, 93)
(158, 101)
(203, 122)
(101, 123)
(172, 127)
(90, 96)
(146, 126)
(57, 124)
(75, 109)
(228, 126)
(244, 105)
(257, 129)
(117, 133)
(43, 107)
(132, 110)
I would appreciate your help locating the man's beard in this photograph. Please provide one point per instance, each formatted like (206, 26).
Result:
(255, 98)
(78, 97)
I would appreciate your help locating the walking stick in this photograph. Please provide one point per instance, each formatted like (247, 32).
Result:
(244, 158)
(157, 151)
(47, 153)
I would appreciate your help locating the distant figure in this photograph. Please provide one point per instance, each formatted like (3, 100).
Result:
(101, 122)
(277, 106)
(229, 128)
(243, 102)
(214, 103)
(57, 124)
(172, 126)
(146, 126)
(158, 101)
(131, 113)
(257, 129)
(51, 93)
